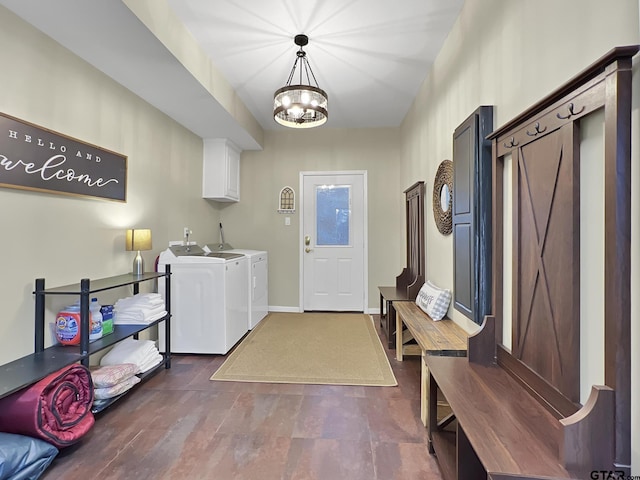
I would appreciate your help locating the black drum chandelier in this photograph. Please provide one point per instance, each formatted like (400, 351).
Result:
(300, 105)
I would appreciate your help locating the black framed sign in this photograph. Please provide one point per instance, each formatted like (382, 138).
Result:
(35, 158)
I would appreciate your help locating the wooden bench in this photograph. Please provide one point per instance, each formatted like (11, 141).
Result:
(506, 432)
(389, 297)
(497, 429)
(441, 338)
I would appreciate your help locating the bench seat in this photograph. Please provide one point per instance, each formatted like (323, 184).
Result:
(389, 298)
(505, 431)
(441, 338)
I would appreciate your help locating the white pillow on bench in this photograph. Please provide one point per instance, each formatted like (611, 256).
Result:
(434, 301)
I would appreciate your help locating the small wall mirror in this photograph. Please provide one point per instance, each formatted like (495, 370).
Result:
(443, 196)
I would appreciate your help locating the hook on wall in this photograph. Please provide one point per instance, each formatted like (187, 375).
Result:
(571, 107)
(537, 130)
(512, 143)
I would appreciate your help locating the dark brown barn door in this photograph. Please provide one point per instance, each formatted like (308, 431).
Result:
(547, 243)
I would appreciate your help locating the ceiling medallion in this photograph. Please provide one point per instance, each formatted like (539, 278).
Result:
(301, 105)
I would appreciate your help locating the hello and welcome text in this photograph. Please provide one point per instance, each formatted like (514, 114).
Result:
(34, 158)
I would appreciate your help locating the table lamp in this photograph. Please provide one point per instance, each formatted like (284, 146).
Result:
(138, 239)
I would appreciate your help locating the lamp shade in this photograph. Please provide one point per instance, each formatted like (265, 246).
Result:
(138, 239)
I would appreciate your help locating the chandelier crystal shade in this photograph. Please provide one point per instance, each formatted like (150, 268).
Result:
(300, 105)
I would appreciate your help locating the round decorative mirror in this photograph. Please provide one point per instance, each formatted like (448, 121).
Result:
(443, 196)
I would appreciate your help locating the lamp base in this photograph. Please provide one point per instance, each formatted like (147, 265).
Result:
(138, 264)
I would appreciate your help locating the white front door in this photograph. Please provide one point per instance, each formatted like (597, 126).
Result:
(333, 241)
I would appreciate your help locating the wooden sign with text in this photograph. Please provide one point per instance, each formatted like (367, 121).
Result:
(35, 158)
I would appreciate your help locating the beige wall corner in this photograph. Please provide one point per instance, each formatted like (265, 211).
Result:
(162, 22)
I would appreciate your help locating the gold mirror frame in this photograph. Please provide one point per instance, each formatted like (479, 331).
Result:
(444, 176)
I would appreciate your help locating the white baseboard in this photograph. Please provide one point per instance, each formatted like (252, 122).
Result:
(277, 308)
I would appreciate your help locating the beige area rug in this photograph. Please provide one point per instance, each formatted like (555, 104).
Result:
(313, 348)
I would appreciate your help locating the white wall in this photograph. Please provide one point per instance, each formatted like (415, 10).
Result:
(510, 55)
(63, 238)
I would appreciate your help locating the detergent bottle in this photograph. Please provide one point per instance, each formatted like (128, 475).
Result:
(68, 325)
(95, 320)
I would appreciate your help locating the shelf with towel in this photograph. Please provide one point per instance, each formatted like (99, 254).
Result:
(33, 367)
(103, 405)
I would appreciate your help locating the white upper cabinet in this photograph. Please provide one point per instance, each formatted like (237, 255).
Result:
(221, 170)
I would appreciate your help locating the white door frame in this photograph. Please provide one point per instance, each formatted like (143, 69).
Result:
(365, 243)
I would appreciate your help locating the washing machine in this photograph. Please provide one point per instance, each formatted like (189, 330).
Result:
(258, 280)
(209, 293)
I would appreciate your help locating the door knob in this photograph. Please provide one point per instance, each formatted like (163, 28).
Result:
(307, 240)
(307, 249)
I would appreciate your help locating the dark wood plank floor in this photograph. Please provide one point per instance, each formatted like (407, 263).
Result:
(180, 424)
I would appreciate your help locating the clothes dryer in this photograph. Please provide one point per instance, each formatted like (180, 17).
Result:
(208, 299)
(257, 282)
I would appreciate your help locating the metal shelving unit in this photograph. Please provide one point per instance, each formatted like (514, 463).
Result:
(31, 368)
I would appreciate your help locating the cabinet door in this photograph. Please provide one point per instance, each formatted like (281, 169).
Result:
(233, 173)
(220, 170)
(472, 215)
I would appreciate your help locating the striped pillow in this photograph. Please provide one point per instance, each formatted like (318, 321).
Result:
(434, 301)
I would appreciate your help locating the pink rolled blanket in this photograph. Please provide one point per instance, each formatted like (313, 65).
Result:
(56, 409)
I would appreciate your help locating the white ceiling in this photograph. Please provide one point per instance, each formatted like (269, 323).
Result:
(370, 56)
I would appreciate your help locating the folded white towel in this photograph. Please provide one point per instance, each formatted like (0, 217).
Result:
(130, 350)
(141, 300)
(140, 309)
(128, 317)
(124, 305)
(151, 362)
